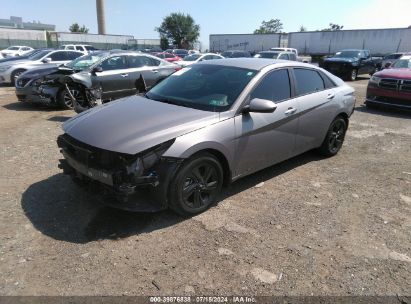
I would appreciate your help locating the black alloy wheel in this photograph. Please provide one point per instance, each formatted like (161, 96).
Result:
(334, 138)
(197, 185)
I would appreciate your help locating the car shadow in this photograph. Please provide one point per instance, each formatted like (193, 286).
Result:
(385, 111)
(62, 210)
(28, 106)
(59, 118)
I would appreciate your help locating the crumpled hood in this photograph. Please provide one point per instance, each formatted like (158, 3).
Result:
(394, 73)
(340, 59)
(134, 124)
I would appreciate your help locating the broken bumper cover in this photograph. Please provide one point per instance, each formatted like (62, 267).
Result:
(147, 193)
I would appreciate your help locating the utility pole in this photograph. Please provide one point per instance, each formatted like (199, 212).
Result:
(101, 18)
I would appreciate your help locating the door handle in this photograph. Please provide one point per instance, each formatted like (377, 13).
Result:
(290, 111)
(331, 96)
(154, 71)
(124, 75)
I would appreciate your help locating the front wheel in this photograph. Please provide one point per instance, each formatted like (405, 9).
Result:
(197, 185)
(353, 75)
(335, 137)
(64, 100)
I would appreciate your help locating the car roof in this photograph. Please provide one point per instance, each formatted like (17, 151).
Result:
(255, 63)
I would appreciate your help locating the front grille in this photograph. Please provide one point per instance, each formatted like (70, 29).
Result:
(92, 156)
(387, 83)
(405, 86)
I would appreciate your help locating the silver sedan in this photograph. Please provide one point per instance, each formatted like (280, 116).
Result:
(204, 126)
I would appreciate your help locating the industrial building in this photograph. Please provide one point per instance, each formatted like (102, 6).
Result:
(17, 23)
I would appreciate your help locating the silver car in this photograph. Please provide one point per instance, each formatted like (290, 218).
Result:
(10, 71)
(205, 126)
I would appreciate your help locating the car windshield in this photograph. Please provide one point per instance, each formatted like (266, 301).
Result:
(204, 87)
(13, 48)
(402, 64)
(84, 62)
(347, 54)
(38, 55)
(267, 55)
(193, 57)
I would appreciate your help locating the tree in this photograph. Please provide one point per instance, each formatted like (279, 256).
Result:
(180, 29)
(164, 43)
(270, 27)
(333, 27)
(302, 28)
(75, 28)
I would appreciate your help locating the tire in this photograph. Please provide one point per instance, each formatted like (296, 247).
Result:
(334, 139)
(15, 75)
(65, 102)
(196, 185)
(352, 76)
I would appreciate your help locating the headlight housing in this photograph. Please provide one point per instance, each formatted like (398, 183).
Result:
(375, 80)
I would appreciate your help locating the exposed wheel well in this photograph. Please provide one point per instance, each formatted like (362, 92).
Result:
(223, 161)
(344, 116)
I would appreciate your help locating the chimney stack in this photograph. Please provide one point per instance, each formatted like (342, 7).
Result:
(101, 18)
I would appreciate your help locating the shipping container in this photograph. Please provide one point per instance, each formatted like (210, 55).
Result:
(244, 42)
(378, 41)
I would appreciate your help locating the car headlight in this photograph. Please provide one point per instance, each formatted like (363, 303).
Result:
(376, 80)
(4, 68)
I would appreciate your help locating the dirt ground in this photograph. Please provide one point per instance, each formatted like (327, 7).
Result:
(308, 226)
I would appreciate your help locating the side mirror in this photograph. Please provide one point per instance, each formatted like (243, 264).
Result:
(258, 105)
(46, 60)
(387, 65)
(98, 69)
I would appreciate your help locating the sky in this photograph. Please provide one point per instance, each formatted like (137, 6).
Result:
(140, 17)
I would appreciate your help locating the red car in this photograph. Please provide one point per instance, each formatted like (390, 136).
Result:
(391, 87)
(167, 56)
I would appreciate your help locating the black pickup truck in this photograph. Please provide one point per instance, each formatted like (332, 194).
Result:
(350, 63)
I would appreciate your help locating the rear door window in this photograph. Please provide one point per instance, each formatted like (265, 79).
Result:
(114, 63)
(308, 81)
(275, 86)
(142, 61)
(79, 48)
(58, 56)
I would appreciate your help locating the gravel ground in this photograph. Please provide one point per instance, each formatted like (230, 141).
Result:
(308, 226)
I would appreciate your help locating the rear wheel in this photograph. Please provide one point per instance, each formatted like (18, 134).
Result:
(335, 137)
(197, 185)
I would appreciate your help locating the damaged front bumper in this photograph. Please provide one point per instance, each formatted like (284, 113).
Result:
(144, 190)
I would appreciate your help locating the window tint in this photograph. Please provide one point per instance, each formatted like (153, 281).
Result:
(284, 57)
(79, 48)
(327, 81)
(275, 86)
(73, 55)
(114, 63)
(308, 81)
(70, 47)
(293, 57)
(142, 61)
(58, 56)
(208, 57)
(216, 57)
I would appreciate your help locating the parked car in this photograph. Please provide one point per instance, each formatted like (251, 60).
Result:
(305, 59)
(391, 87)
(93, 79)
(84, 48)
(350, 63)
(17, 50)
(167, 56)
(10, 71)
(276, 55)
(190, 52)
(180, 53)
(194, 58)
(28, 55)
(389, 59)
(236, 54)
(203, 126)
